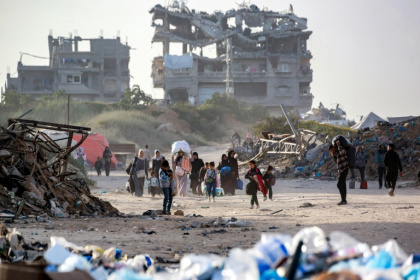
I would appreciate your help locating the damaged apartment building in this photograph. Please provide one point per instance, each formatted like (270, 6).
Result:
(99, 72)
(258, 56)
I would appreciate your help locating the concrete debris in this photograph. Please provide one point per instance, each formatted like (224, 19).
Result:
(316, 162)
(36, 178)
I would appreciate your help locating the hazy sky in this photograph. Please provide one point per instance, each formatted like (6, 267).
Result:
(366, 53)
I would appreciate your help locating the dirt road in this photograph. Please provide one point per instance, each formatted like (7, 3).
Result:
(371, 216)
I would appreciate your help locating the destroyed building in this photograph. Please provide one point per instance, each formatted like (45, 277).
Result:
(99, 72)
(260, 56)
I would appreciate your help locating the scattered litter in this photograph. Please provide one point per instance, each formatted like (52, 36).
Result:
(275, 212)
(406, 207)
(306, 205)
(179, 213)
(149, 232)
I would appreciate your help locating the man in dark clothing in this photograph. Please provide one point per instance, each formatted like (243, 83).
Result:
(393, 164)
(379, 158)
(344, 143)
(107, 156)
(340, 157)
(196, 164)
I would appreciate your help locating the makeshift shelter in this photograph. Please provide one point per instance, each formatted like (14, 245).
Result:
(368, 121)
(94, 146)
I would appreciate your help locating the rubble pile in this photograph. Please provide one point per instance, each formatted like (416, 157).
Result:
(35, 177)
(318, 163)
(309, 254)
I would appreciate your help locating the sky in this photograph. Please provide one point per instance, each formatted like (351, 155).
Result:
(366, 54)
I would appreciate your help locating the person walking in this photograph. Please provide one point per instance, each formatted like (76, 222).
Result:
(361, 161)
(107, 156)
(196, 164)
(147, 154)
(224, 180)
(340, 157)
(167, 187)
(182, 168)
(380, 157)
(233, 176)
(211, 181)
(255, 183)
(98, 166)
(156, 165)
(139, 171)
(203, 172)
(393, 165)
(268, 181)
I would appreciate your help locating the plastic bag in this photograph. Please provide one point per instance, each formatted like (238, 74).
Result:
(239, 184)
(199, 266)
(181, 146)
(220, 192)
(240, 266)
(313, 238)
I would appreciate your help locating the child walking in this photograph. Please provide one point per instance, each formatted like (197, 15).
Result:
(202, 174)
(211, 181)
(167, 187)
(154, 184)
(256, 183)
(269, 181)
(98, 166)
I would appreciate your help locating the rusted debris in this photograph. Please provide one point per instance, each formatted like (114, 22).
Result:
(34, 177)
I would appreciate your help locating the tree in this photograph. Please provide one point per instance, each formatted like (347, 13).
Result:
(14, 100)
(136, 97)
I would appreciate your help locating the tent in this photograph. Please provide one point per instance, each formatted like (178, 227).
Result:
(94, 146)
(368, 121)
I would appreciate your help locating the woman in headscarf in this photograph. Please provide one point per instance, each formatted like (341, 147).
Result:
(182, 167)
(233, 176)
(139, 173)
(156, 164)
(223, 178)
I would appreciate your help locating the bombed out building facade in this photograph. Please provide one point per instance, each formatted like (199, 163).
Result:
(100, 72)
(259, 56)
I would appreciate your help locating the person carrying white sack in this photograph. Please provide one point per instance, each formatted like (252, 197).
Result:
(182, 166)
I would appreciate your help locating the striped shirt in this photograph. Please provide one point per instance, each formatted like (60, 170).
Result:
(340, 158)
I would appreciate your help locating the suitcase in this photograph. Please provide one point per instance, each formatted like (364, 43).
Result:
(352, 184)
(363, 185)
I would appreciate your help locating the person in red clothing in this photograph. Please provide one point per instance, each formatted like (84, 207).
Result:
(255, 177)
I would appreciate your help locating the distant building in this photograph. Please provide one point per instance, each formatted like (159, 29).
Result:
(261, 57)
(100, 73)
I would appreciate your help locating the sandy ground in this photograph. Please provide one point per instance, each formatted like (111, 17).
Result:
(371, 216)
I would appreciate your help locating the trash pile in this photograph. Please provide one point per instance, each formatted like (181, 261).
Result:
(310, 253)
(318, 162)
(35, 177)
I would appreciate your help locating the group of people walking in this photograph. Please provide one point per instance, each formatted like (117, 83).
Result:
(387, 160)
(171, 182)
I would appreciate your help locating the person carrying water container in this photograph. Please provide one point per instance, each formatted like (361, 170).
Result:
(224, 178)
